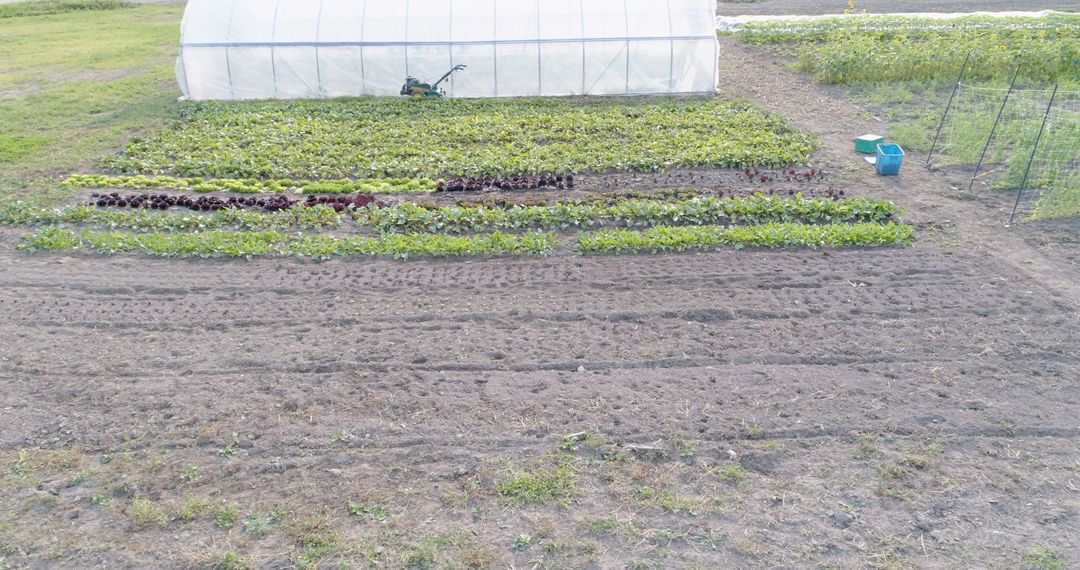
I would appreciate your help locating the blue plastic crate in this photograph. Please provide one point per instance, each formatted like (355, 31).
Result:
(889, 159)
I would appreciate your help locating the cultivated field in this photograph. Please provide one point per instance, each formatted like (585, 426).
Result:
(630, 333)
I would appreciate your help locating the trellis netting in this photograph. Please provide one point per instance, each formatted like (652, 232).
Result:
(1032, 153)
(306, 49)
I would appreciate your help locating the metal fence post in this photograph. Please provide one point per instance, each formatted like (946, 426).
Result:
(1031, 159)
(948, 106)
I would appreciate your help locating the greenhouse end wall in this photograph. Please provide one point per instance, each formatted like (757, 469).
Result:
(311, 49)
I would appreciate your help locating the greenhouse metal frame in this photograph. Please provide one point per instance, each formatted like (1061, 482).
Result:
(309, 49)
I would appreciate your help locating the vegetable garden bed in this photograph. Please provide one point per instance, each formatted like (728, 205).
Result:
(377, 137)
(409, 229)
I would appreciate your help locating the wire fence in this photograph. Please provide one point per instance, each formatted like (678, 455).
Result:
(1024, 143)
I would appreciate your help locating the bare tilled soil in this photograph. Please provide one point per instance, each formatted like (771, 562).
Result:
(751, 409)
(899, 408)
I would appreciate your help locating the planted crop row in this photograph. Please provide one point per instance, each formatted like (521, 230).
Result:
(855, 50)
(758, 209)
(483, 183)
(393, 137)
(213, 203)
(272, 243)
(255, 186)
(785, 175)
(664, 238)
(889, 28)
(320, 217)
(659, 239)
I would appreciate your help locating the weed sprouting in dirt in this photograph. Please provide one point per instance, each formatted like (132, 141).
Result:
(522, 542)
(601, 526)
(557, 484)
(190, 474)
(448, 549)
(145, 513)
(1042, 558)
(341, 436)
(733, 474)
(228, 561)
(259, 524)
(192, 507)
(365, 510)
(865, 448)
(316, 538)
(226, 516)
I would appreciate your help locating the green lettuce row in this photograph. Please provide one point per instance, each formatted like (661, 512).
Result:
(758, 209)
(272, 243)
(21, 214)
(255, 186)
(663, 238)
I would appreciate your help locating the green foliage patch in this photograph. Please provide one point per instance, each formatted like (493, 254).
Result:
(14, 148)
(556, 484)
(665, 238)
(273, 243)
(1042, 558)
(759, 209)
(874, 49)
(253, 185)
(1062, 201)
(21, 214)
(392, 137)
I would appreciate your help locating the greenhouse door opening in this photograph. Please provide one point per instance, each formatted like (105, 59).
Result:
(317, 49)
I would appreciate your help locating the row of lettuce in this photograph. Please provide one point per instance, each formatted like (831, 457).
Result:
(403, 246)
(410, 217)
(407, 230)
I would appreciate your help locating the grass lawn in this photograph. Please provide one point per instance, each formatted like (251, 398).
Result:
(74, 86)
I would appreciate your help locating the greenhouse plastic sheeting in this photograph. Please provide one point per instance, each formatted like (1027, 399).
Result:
(308, 49)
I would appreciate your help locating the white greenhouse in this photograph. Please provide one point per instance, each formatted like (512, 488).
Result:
(310, 49)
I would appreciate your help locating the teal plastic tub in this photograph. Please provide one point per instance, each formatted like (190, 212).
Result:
(867, 144)
(889, 159)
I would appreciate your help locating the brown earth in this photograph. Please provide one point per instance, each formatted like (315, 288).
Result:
(902, 408)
